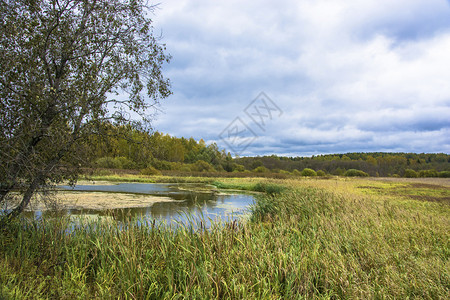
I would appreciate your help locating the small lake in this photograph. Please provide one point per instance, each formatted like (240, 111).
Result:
(186, 201)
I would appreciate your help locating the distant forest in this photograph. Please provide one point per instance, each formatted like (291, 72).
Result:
(153, 153)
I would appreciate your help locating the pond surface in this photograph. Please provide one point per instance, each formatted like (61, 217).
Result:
(187, 202)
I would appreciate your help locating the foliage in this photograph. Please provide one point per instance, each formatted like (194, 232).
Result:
(308, 172)
(321, 173)
(185, 168)
(166, 152)
(374, 163)
(411, 173)
(202, 166)
(353, 173)
(166, 165)
(444, 174)
(261, 169)
(115, 163)
(238, 168)
(428, 173)
(62, 65)
(150, 171)
(296, 172)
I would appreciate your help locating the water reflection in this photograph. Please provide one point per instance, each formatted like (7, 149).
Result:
(193, 202)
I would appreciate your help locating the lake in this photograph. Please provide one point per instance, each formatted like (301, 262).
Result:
(170, 203)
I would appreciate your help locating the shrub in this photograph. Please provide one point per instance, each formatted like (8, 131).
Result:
(150, 171)
(125, 163)
(409, 173)
(355, 173)
(202, 166)
(238, 168)
(308, 172)
(296, 172)
(321, 173)
(185, 168)
(107, 162)
(219, 168)
(339, 171)
(166, 165)
(260, 169)
(428, 173)
(444, 174)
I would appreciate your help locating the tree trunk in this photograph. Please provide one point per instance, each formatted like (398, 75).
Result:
(26, 198)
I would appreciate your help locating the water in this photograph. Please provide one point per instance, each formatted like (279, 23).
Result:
(192, 201)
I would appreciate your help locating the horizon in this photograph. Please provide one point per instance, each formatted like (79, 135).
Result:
(319, 154)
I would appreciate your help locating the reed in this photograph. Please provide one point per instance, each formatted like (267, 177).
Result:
(301, 242)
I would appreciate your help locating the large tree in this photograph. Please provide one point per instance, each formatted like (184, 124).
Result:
(66, 68)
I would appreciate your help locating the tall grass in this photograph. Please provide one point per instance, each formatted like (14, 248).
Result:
(299, 243)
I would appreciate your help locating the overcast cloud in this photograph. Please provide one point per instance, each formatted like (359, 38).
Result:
(348, 75)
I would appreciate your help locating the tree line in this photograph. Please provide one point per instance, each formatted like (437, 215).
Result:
(128, 148)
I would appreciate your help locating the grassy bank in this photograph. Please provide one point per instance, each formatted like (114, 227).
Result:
(308, 239)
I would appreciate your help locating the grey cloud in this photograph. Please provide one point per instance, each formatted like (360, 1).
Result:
(356, 76)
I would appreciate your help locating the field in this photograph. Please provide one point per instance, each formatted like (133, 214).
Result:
(306, 238)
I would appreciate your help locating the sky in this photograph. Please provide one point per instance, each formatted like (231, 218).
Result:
(308, 77)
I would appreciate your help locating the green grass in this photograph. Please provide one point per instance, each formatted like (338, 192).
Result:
(301, 242)
(266, 186)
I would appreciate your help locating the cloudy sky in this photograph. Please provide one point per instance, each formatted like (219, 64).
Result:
(307, 77)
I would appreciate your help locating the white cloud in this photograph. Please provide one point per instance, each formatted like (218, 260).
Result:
(349, 74)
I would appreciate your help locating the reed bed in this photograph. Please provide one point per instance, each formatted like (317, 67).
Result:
(300, 243)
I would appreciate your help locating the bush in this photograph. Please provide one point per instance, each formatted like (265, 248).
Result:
(185, 168)
(166, 165)
(355, 173)
(308, 172)
(202, 166)
(238, 168)
(107, 162)
(428, 173)
(219, 168)
(150, 171)
(321, 173)
(339, 172)
(409, 173)
(126, 163)
(296, 172)
(444, 174)
(260, 169)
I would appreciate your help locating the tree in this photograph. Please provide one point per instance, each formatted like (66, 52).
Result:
(68, 66)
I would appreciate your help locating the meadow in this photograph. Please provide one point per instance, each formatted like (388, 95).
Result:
(306, 238)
